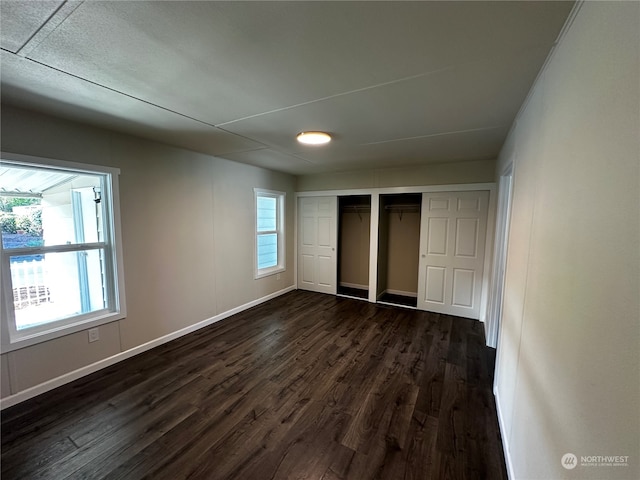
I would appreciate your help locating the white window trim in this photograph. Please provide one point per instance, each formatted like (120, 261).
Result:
(80, 322)
(280, 230)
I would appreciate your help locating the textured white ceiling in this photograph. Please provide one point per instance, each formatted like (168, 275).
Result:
(394, 82)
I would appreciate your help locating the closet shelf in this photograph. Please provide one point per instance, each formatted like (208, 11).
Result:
(403, 208)
(358, 209)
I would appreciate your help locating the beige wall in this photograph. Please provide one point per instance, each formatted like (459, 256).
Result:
(353, 248)
(187, 230)
(404, 251)
(398, 245)
(5, 386)
(44, 361)
(433, 174)
(568, 376)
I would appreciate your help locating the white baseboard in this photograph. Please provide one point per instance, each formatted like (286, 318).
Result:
(398, 292)
(354, 285)
(99, 365)
(505, 445)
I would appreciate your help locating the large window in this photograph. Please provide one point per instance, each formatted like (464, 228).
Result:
(269, 246)
(61, 268)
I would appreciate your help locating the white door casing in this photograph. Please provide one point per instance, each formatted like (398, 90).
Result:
(452, 245)
(317, 240)
(499, 258)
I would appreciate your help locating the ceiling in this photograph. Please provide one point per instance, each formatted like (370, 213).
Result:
(395, 83)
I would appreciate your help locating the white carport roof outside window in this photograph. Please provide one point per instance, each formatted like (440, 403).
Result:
(28, 182)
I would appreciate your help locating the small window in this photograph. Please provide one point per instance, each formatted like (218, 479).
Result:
(269, 247)
(61, 268)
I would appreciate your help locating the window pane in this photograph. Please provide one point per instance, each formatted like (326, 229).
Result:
(21, 222)
(267, 250)
(65, 207)
(56, 286)
(266, 213)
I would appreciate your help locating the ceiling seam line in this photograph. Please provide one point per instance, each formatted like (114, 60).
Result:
(480, 129)
(121, 93)
(368, 87)
(341, 94)
(39, 29)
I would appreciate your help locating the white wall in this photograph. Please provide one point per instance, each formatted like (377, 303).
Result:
(568, 376)
(187, 229)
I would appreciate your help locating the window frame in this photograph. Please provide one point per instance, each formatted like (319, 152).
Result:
(279, 231)
(11, 338)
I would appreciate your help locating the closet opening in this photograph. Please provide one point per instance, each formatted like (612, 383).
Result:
(399, 249)
(354, 229)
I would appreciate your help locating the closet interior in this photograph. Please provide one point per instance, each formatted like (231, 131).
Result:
(399, 248)
(354, 229)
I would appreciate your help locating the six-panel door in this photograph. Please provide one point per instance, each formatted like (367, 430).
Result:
(452, 241)
(317, 237)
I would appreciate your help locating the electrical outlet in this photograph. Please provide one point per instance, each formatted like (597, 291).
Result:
(277, 276)
(94, 335)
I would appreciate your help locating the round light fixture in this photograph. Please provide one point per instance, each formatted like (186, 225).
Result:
(314, 138)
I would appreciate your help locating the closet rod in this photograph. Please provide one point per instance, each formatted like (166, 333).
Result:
(403, 208)
(358, 209)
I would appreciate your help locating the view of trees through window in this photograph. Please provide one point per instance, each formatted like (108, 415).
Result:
(21, 222)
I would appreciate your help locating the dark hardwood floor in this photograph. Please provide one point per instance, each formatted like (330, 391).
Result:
(353, 292)
(395, 299)
(305, 386)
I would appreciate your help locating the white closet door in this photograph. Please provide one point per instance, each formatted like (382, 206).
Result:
(317, 239)
(453, 230)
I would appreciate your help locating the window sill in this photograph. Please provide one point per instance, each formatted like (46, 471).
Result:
(27, 339)
(267, 272)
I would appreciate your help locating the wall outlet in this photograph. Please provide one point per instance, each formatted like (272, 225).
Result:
(94, 335)
(277, 276)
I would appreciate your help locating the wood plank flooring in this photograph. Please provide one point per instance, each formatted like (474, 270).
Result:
(394, 299)
(305, 386)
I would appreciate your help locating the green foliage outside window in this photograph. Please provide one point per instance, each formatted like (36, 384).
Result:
(10, 222)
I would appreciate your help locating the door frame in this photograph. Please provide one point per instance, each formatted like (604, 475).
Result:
(503, 221)
(375, 193)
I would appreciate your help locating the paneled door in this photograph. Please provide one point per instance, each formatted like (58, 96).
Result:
(317, 239)
(453, 231)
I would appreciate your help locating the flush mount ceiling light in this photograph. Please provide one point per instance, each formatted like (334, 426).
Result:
(314, 138)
